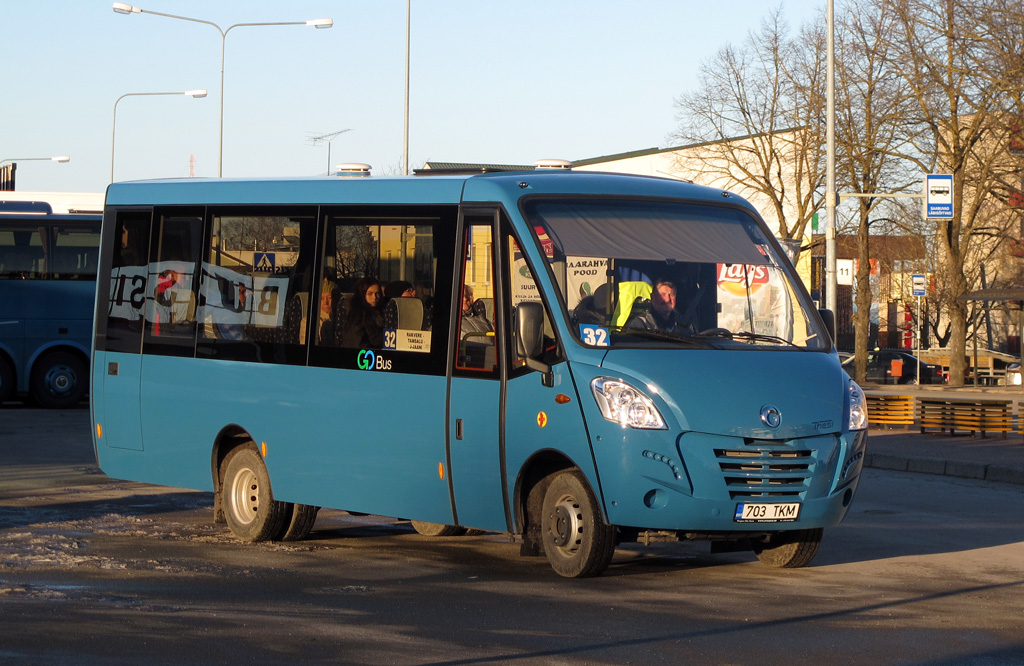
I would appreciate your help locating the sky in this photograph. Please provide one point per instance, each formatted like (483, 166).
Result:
(493, 81)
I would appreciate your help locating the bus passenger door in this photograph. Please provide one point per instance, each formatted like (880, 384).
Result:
(474, 392)
(118, 368)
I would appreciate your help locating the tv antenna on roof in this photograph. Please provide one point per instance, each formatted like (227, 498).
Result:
(316, 139)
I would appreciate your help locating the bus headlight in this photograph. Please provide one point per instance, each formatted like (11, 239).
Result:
(621, 403)
(858, 407)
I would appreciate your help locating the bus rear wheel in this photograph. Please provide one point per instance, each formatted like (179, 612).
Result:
(790, 550)
(437, 529)
(301, 522)
(577, 542)
(58, 380)
(249, 506)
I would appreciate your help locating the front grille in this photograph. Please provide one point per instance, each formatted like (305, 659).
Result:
(766, 470)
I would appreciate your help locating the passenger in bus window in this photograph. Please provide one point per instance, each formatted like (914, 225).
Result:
(662, 314)
(330, 294)
(363, 325)
(398, 289)
(473, 318)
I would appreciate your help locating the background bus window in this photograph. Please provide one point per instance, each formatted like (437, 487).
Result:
(21, 252)
(376, 288)
(128, 277)
(477, 352)
(256, 287)
(75, 252)
(170, 285)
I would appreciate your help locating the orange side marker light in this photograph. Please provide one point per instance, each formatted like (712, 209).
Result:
(263, 449)
(440, 471)
(99, 431)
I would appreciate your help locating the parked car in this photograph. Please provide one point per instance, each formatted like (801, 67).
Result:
(892, 366)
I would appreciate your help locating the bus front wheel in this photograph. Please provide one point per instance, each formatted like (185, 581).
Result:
(58, 380)
(577, 542)
(790, 550)
(249, 506)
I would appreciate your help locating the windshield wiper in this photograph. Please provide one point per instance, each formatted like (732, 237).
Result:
(764, 337)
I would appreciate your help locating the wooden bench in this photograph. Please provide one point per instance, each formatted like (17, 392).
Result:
(966, 415)
(891, 409)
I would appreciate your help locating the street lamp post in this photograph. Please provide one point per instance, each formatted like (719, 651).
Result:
(124, 8)
(196, 94)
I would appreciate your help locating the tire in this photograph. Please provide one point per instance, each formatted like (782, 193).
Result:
(249, 506)
(8, 382)
(58, 380)
(437, 529)
(577, 542)
(301, 523)
(790, 550)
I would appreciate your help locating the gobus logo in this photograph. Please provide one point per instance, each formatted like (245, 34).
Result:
(368, 360)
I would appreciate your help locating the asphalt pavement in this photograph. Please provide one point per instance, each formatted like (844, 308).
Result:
(994, 457)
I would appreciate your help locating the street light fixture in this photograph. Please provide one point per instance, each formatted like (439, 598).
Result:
(319, 24)
(199, 93)
(63, 159)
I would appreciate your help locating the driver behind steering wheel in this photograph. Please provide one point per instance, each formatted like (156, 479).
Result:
(662, 314)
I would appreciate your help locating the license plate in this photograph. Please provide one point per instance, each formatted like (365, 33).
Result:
(760, 512)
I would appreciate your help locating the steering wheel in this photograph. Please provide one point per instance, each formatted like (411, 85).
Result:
(716, 332)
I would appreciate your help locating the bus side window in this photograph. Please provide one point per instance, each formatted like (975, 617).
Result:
(256, 283)
(128, 276)
(523, 288)
(170, 285)
(477, 351)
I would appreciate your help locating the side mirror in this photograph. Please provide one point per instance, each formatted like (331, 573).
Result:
(529, 327)
(829, 319)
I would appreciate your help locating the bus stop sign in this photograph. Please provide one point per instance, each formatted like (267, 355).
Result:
(938, 197)
(918, 284)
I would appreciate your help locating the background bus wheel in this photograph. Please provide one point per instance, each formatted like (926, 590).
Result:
(790, 550)
(249, 505)
(7, 380)
(302, 518)
(58, 380)
(437, 529)
(577, 543)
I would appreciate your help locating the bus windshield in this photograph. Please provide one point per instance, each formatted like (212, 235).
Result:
(657, 273)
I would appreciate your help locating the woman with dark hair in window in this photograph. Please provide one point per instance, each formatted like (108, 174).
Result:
(363, 325)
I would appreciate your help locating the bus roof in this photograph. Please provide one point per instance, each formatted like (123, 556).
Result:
(449, 189)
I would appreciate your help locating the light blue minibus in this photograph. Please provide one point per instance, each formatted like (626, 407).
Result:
(575, 359)
(47, 289)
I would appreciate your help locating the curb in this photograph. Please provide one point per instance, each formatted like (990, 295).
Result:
(937, 466)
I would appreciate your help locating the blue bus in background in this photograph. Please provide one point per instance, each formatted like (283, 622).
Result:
(574, 359)
(47, 298)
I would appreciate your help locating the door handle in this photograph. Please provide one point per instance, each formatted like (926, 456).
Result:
(458, 428)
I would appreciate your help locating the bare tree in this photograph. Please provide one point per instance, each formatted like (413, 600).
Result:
(951, 59)
(756, 125)
(872, 137)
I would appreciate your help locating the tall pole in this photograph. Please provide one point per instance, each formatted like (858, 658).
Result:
(831, 275)
(405, 135)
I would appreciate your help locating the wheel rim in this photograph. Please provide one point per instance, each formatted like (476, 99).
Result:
(61, 380)
(245, 490)
(565, 525)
